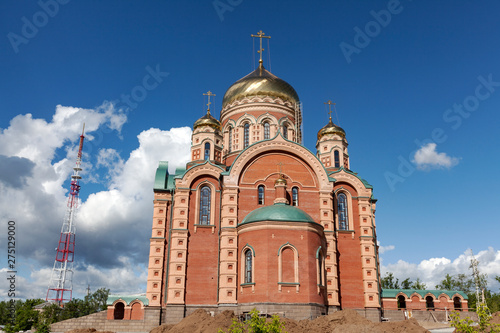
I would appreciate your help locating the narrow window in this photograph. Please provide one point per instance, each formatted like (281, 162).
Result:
(267, 131)
(337, 158)
(248, 266)
(230, 143)
(295, 196)
(320, 269)
(205, 195)
(285, 131)
(261, 194)
(207, 151)
(246, 135)
(342, 211)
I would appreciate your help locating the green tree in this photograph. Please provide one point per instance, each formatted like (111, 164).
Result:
(460, 282)
(26, 315)
(389, 282)
(468, 326)
(406, 284)
(257, 324)
(419, 285)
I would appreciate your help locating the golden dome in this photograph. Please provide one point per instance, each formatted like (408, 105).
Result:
(207, 120)
(260, 82)
(331, 128)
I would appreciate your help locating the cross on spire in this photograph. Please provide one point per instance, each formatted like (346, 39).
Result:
(260, 35)
(330, 103)
(209, 93)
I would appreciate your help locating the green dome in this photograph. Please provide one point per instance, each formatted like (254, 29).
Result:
(278, 212)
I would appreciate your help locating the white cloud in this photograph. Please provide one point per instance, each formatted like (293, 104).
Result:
(113, 225)
(432, 271)
(383, 249)
(427, 158)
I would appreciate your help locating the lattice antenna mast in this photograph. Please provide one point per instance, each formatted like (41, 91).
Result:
(61, 286)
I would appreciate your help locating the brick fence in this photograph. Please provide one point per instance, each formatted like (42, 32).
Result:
(99, 322)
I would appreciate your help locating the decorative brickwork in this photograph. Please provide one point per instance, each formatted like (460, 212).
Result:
(255, 219)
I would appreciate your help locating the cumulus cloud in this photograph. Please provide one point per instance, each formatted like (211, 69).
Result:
(427, 158)
(14, 170)
(113, 225)
(432, 271)
(383, 249)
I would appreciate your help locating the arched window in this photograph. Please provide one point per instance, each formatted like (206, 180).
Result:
(248, 266)
(285, 130)
(261, 194)
(205, 198)
(457, 303)
(230, 141)
(119, 312)
(207, 151)
(288, 266)
(295, 196)
(246, 135)
(337, 158)
(429, 303)
(342, 211)
(401, 302)
(267, 130)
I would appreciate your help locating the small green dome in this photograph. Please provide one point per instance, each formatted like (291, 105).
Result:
(278, 212)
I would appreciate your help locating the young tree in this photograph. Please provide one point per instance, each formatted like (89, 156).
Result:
(389, 282)
(418, 285)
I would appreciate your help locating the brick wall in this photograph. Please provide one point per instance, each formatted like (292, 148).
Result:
(99, 322)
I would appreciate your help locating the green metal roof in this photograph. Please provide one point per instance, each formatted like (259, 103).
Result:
(278, 212)
(127, 299)
(365, 183)
(392, 293)
(161, 176)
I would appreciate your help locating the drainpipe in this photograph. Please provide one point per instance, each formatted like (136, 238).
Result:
(219, 233)
(376, 259)
(168, 249)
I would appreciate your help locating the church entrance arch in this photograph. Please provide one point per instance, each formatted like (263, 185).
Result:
(119, 312)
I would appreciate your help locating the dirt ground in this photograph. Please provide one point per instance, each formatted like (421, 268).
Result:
(495, 318)
(338, 322)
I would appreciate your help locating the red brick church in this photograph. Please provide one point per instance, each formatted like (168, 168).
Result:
(257, 220)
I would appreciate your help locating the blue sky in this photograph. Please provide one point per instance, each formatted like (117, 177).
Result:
(406, 76)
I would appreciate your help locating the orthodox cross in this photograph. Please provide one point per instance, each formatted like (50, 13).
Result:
(330, 108)
(280, 169)
(209, 93)
(260, 35)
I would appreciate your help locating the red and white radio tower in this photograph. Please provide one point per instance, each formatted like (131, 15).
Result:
(61, 285)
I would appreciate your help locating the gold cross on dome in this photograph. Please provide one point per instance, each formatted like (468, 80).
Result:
(330, 108)
(280, 168)
(260, 35)
(209, 93)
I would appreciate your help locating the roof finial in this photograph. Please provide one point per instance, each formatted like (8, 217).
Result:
(260, 35)
(209, 93)
(330, 108)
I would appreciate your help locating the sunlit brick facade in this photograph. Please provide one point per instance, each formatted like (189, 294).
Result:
(256, 220)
